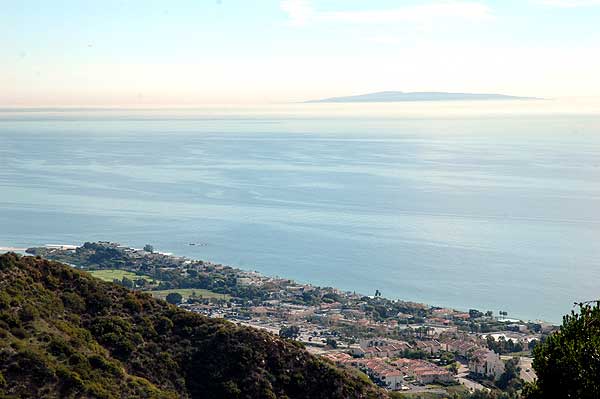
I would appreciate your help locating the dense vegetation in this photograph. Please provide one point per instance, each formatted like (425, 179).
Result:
(168, 271)
(567, 363)
(66, 334)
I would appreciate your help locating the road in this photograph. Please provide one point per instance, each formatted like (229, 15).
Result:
(463, 372)
(525, 364)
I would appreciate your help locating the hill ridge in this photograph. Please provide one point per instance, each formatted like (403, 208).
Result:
(66, 334)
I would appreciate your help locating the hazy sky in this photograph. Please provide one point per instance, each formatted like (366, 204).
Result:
(145, 52)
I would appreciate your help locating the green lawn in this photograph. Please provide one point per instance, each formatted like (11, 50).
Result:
(112, 274)
(459, 390)
(417, 395)
(187, 292)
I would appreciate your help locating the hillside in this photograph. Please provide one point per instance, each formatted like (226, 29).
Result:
(66, 334)
(399, 96)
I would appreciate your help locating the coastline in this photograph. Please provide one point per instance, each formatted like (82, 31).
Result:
(12, 249)
(70, 247)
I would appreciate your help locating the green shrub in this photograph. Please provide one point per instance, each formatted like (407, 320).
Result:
(73, 301)
(100, 363)
(9, 261)
(120, 344)
(96, 390)
(4, 300)
(231, 389)
(19, 332)
(163, 325)
(70, 380)
(28, 313)
(59, 348)
(10, 319)
(131, 303)
(34, 363)
(97, 302)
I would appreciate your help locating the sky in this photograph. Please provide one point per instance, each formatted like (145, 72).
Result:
(190, 52)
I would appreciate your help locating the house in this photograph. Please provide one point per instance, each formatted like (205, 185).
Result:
(460, 347)
(517, 327)
(392, 379)
(382, 373)
(423, 372)
(381, 347)
(486, 363)
(338, 357)
(428, 376)
(432, 347)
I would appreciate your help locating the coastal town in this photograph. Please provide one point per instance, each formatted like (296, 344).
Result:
(401, 346)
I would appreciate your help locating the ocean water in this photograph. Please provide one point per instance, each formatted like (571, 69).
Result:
(497, 209)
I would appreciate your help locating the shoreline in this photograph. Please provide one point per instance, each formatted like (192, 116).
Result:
(63, 247)
(12, 249)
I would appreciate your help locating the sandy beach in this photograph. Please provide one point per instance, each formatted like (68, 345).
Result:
(8, 249)
(12, 249)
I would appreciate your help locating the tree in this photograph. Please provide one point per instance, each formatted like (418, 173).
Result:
(510, 377)
(148, 248)
(531, 344)
(174, 298)
(127, 283)
(567, 363)
(447, 358)
(332, 343)
(140, 282)
(453, 367)
(292, 332)
(492, 344)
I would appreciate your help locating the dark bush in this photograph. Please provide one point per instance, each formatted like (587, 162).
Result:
(28, 313)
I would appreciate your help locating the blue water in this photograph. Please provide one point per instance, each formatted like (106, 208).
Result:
(496, 213)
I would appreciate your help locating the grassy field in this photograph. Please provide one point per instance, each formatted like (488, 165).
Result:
(436, 393)
(187, 292)
(459, 390)
(417, 395)
(112, 274)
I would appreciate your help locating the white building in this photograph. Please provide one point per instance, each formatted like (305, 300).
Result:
(486, 363)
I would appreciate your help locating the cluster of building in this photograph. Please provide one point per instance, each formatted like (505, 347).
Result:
(379, 347)
(327, 315)
(424, 372)
(379, 370)
(482, 361)
(391, 372)
(383, 360)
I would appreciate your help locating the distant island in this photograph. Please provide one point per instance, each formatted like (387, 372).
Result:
(400, 96)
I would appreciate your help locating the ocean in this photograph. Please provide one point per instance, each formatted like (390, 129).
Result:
(494, 207)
